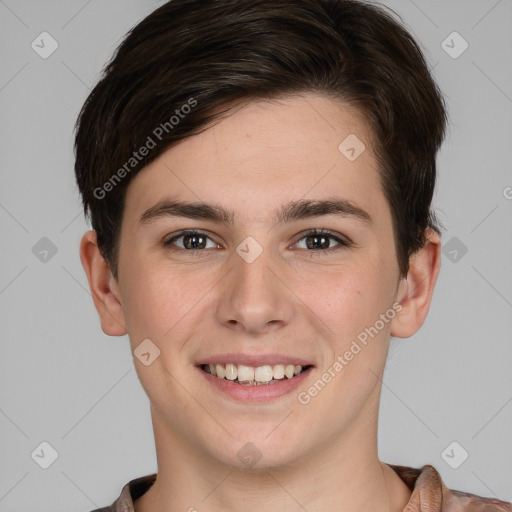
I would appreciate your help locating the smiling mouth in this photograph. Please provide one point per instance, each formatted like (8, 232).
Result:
(255, 376)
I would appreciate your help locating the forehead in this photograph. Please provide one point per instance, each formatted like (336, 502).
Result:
(295, 126)
(264, 153)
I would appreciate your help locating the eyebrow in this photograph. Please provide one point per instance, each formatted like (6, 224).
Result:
(295, 210)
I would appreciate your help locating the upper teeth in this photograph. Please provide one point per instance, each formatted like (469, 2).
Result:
(244, 373)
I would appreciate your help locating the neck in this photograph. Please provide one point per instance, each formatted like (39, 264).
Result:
(342, 475)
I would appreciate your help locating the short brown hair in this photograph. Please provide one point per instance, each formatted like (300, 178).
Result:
(189, 58)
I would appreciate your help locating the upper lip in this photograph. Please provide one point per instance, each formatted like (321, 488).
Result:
(254, 360)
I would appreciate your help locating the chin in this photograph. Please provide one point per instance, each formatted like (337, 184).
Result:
(255, 453)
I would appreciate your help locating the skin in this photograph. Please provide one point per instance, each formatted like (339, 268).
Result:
(320, 456)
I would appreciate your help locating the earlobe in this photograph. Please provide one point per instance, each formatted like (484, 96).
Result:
(415, 291)
(104, 289)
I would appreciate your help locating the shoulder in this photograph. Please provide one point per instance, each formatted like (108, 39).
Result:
(430, 493)
(130, 492)
(464, 501)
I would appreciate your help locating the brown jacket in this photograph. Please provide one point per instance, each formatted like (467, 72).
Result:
(429, 494)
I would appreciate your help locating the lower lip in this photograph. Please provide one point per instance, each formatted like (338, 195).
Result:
(261, 393)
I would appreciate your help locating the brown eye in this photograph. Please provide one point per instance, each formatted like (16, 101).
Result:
(320, 240)
(192, 241)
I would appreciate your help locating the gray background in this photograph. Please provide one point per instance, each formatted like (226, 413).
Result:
(64, 382)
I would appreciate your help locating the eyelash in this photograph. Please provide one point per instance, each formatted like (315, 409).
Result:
(343, 242)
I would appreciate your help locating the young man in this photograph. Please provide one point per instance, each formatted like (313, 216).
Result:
(258, 176)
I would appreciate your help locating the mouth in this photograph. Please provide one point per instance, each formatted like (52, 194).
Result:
(254, 378)
(263, 375)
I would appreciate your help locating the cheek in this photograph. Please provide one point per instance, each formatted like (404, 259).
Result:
(150, 299)
(164, 303)
(359, 338)
(350, 299)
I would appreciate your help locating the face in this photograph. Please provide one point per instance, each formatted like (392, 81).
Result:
(276, 286)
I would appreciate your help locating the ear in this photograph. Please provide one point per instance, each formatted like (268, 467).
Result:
(415, 291)
(104, 288)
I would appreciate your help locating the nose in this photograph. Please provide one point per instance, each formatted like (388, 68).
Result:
(254, 296)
